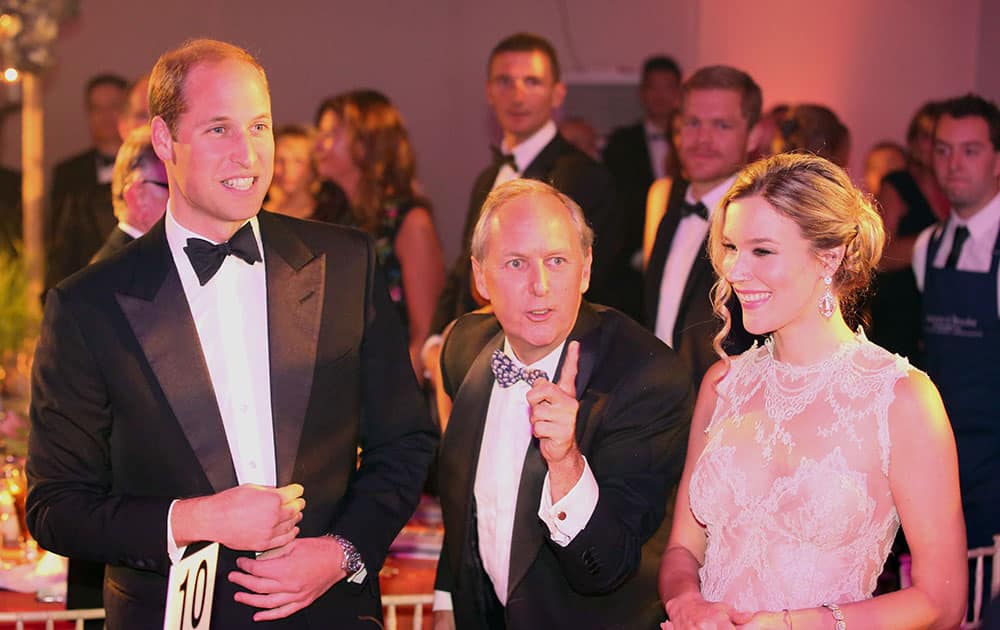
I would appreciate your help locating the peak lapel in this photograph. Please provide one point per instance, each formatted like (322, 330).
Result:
(158, 312)
(461, 443)
(296, 283)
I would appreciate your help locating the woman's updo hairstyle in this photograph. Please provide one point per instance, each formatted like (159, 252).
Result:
(830, 211)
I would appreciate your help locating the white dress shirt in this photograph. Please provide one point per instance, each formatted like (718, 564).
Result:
(230, 315)
(525, 153)
(658, 147)
(684, 249)
(506, 436)
(977, 251)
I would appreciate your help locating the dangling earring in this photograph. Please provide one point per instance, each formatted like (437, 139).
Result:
(827, 303)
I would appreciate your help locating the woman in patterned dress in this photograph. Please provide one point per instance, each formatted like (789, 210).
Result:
(365, 149)
(806, 453)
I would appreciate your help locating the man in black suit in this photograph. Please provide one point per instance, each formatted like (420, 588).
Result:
(637, 155)
(104, 97)
(567, 434)
(138, 192)
(523, 87)
(718, 127)
(232, 376)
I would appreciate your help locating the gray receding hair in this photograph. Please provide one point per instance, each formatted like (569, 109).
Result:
(515, 189)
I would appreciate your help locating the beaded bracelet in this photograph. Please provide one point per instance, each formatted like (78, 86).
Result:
(838, 614)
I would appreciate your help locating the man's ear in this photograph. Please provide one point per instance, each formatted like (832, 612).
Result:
(754, 137)
(588, 259)
(558, 94)
(162, 139)
(480, 278)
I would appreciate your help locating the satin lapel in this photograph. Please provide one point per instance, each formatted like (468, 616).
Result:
(701, 269)
(158, 312)
(529, 532)
(542, 165)
(461, 443)
(296, 282)
(665, 233)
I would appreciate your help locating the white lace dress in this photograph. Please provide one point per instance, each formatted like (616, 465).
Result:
(793, 483)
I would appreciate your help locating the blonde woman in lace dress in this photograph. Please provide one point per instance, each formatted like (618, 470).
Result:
(806, 453)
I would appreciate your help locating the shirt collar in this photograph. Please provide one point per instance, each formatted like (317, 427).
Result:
(712, 198)
(653, 131)
(178, 235)
(983, 220)
(547, 364)
(131, 230)
(526, 152)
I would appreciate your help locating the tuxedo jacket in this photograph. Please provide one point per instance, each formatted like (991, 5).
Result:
(632, 426)
(626, 155)
(696, 324)
(116, 240)
(125, 420)
(86, 218)
(75, 173)
(578, 176)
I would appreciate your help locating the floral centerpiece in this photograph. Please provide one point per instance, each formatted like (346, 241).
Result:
(18, 333)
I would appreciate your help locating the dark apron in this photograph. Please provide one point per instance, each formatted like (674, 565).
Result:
(962, 344)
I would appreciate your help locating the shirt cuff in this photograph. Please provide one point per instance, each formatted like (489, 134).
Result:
(567, 517)
(442, 601)
(175, 552)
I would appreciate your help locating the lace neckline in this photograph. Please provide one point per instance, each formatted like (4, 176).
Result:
(844, 349)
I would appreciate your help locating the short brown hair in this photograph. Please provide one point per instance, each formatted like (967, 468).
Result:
(526, 42)
(166, 82)
(729, 78)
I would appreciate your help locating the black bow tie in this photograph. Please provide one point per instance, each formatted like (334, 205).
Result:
(500, 158)
(697, 208)
(206, 258)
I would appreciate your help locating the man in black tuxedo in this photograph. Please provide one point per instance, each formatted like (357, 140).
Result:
(256, 392)
(718, 128)
(524, 88)
(637, 155)
(81, 184)
(567, 435)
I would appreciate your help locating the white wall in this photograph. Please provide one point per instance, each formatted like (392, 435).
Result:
(872, 62)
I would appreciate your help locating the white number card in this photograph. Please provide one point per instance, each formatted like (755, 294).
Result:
(189, 595)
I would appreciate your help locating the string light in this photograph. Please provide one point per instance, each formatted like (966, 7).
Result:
(10, 75)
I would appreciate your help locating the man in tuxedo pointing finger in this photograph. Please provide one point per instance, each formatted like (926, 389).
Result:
(576, 419)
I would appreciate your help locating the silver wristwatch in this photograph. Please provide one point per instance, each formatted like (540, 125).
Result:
(352, 564)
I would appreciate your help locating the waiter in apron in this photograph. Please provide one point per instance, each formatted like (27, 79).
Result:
(956, 267)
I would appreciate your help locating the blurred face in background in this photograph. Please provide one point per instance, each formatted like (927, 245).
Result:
(965, 163)
(714, 135)
(334, 154)
(293, 165)
(136, 112)
(105, 103)
(523, 93)
(660, 94)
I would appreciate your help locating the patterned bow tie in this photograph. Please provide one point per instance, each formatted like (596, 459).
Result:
(206, 258)
(500, 158)
(508, 373)
(697, 208)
